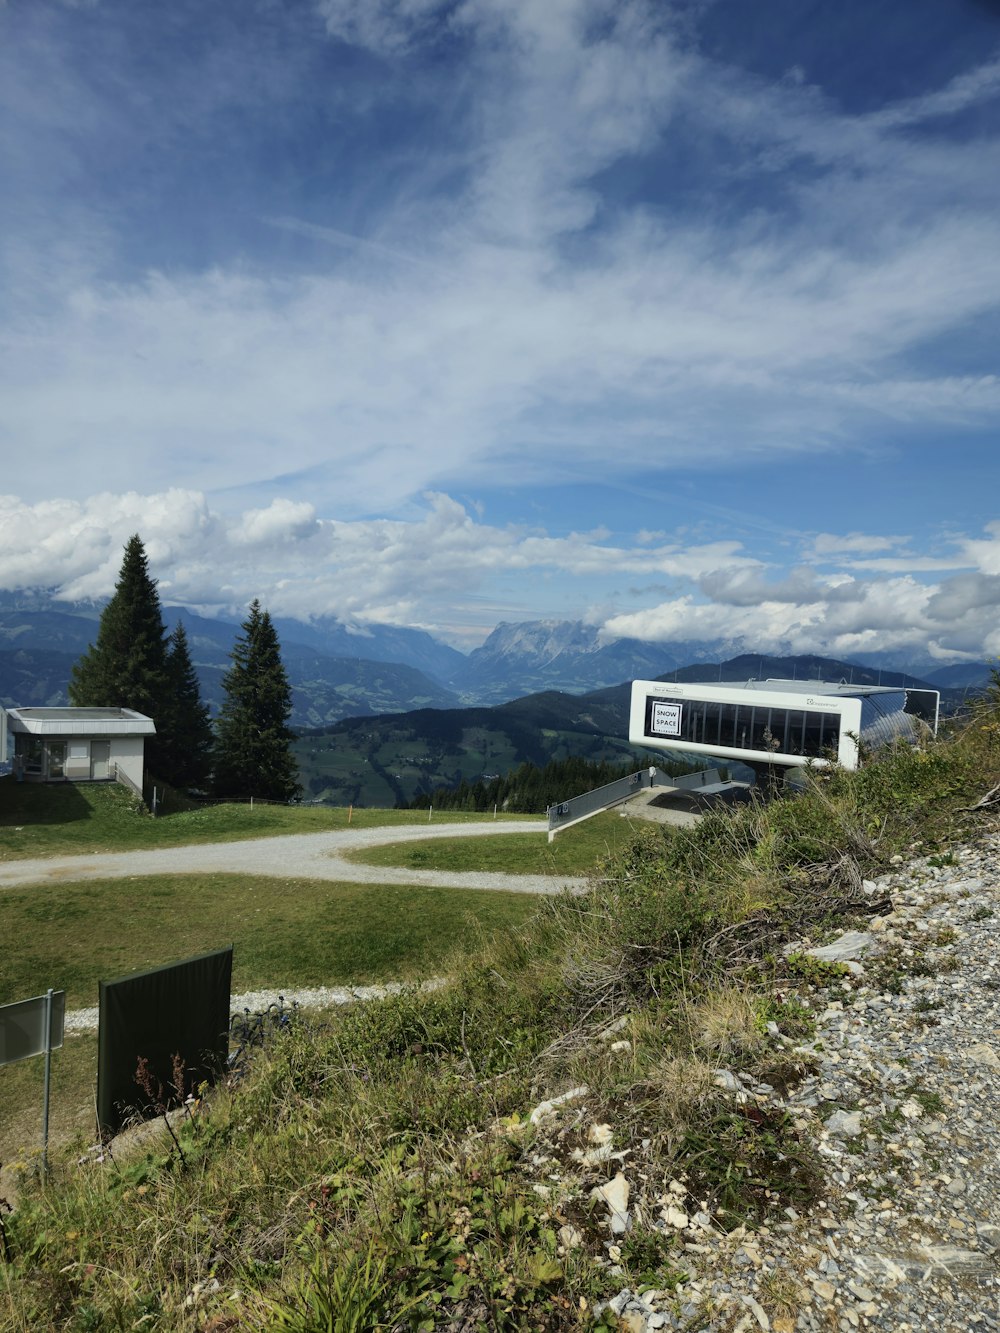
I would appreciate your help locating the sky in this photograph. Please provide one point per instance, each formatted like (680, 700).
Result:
(680, 317)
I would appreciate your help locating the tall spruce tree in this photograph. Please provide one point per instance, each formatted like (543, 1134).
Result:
(132, 664)
(253, 752)
(127, 665)
(187, 737)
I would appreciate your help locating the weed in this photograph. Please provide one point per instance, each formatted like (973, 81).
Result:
(648, 1258)
(378, 1171)
(750, 1161)
(355, 1293)
(160, 1101)
(941, 937)
(931, 1102)
(816, 972)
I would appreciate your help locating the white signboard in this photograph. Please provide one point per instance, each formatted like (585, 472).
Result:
(22, 1027)
(665, 719)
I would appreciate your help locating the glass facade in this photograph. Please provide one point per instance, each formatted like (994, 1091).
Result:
(744, 726)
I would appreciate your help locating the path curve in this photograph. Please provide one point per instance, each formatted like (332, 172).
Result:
(298, 856)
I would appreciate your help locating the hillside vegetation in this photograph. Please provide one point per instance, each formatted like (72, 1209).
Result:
(404, 757)
(381, 1169)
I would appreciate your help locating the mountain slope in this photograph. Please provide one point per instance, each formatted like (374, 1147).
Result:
(38, 649)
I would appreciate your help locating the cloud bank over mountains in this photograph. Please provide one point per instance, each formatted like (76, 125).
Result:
(434, 571)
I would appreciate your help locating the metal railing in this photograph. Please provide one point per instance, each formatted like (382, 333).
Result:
(121, 776)
(564, 813)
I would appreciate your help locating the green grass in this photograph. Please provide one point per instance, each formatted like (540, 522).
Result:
(575, 851)
(39, 820)
(287, 932)
(383, 1163)
(71, 1099)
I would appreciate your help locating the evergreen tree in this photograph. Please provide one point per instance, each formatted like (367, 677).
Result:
(127, 666)
(253, 750)
(133, 665)
(186, 734)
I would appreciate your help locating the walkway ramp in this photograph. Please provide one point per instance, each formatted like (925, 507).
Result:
(643, 790)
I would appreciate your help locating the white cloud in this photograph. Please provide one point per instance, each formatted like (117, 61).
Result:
(827, 544)
(441, 569)
(386, 27)
(418, 571)
(462, 343)
(282, 521)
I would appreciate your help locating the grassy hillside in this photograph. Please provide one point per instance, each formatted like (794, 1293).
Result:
(382, 1170)
(384, 760)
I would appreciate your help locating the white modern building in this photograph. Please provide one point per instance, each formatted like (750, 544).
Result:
(79, 744)
(778, 723)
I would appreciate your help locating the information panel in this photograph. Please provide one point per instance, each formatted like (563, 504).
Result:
(22, 1027)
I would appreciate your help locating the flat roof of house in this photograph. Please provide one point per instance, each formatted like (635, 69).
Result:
(80, 722)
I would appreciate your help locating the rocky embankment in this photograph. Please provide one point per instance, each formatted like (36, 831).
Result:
(900, 1098)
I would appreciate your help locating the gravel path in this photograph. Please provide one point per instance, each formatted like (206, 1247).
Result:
(298, 856)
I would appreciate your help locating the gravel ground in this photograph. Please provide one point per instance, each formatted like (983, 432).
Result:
(299, 856)
(903, 1101)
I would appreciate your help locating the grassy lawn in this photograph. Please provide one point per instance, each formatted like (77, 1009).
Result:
(575, 851)
(64, 819)
(71, 1099)
(287, 932)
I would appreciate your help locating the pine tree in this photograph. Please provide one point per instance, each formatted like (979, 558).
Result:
(253, 751)
(127, 665)
(186, 733)
(133, 665)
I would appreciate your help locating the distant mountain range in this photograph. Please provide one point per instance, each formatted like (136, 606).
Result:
(389, 760)
(339, 670)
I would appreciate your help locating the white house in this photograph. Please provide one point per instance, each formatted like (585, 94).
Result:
(79, 744)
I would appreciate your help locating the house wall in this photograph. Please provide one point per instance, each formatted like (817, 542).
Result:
(78, 758)
(127, 753)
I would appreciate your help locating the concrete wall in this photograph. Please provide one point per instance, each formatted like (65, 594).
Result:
(127, 753)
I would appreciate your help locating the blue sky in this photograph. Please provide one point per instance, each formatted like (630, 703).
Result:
(680, 316)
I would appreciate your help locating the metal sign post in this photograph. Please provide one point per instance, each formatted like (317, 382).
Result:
(34, 1027)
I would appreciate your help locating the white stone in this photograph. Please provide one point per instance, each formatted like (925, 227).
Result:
(547, 1107)
(845, 1124)
(984, 1055)
(614, 1193)
(852, 944)
(758, 1313)
(727, 1080)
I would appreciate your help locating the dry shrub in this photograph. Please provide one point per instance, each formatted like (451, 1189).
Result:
(722, 1023)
